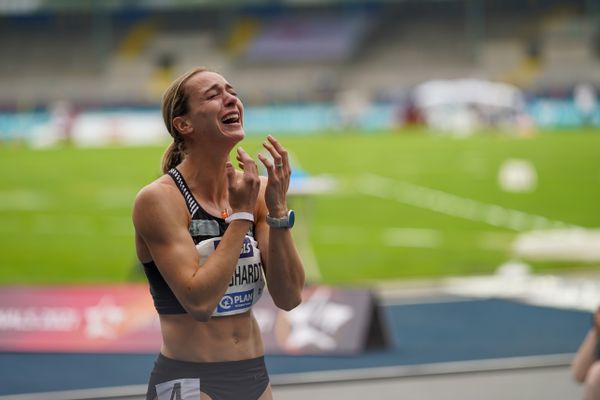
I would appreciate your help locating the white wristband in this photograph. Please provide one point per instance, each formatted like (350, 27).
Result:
(246, 216)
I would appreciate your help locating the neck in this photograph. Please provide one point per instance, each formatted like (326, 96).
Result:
(204, 172)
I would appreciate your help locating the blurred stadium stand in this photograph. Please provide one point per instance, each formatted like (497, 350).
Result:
(336, 65)
(93, 53)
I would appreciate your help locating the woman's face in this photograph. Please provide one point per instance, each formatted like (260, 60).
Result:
(215, 111)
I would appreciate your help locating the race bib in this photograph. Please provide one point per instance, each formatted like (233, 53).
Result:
(179, 389)
(247, 282)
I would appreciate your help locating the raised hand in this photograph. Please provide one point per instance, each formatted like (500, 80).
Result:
(278, 172)
(243, 188)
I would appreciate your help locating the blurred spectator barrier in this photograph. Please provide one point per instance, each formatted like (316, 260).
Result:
(145, 126)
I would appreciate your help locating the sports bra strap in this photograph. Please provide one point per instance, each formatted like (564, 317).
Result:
(190, 201)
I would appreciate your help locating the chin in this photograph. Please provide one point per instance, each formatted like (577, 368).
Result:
(237, 135)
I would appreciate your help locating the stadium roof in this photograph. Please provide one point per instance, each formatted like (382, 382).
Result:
(25, 7)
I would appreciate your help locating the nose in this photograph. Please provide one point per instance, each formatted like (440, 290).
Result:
(229, 99)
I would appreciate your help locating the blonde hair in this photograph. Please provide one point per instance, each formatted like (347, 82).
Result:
(174, 104)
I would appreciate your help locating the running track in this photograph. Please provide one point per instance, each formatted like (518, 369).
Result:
(427, 337)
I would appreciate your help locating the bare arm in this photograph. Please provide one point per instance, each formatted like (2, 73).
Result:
(587, 353)
(283, 266)
(282, 263)
(161, 220)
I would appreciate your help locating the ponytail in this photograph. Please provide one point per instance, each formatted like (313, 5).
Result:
(173, 156)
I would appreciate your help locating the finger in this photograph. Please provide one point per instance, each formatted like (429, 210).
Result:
(247, 162)
(230, 171)
(280, 150)
(275, 143)
(277, 160)
(242, 157)
(268, 165)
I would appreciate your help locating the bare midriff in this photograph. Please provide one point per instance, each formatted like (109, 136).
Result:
(230, 338)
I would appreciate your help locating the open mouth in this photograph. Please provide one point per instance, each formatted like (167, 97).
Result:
(232, 118)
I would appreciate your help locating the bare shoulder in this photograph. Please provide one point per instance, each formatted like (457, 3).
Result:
(158, 201)
(160, 189)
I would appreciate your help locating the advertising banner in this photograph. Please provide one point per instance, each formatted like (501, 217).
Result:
(116, 318)
(122, 319)
(329, 320)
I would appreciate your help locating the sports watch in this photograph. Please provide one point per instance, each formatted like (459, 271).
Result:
(283, 222)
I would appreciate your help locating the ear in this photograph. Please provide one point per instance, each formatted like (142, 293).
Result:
(182, 125)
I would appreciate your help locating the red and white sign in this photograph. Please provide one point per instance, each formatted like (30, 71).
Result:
(122, 318)
(78, 319)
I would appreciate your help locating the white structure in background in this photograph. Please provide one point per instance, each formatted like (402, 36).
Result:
(517, 176)
(104, 128)
(352, 105)
(462, 106)
(584, 96)
(514, 280)
(582, 245)
(135, 128)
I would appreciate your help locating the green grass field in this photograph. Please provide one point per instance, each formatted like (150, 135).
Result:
(65, 212)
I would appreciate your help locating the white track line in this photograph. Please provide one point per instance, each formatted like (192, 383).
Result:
(453, 205)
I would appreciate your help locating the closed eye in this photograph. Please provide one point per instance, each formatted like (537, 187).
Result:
(215, 91)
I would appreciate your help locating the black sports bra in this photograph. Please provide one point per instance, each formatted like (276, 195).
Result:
(203, 226)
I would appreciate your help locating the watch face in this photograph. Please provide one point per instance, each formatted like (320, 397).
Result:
(283, 222)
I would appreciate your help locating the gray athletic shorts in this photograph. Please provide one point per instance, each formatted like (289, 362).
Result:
(228, 380)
